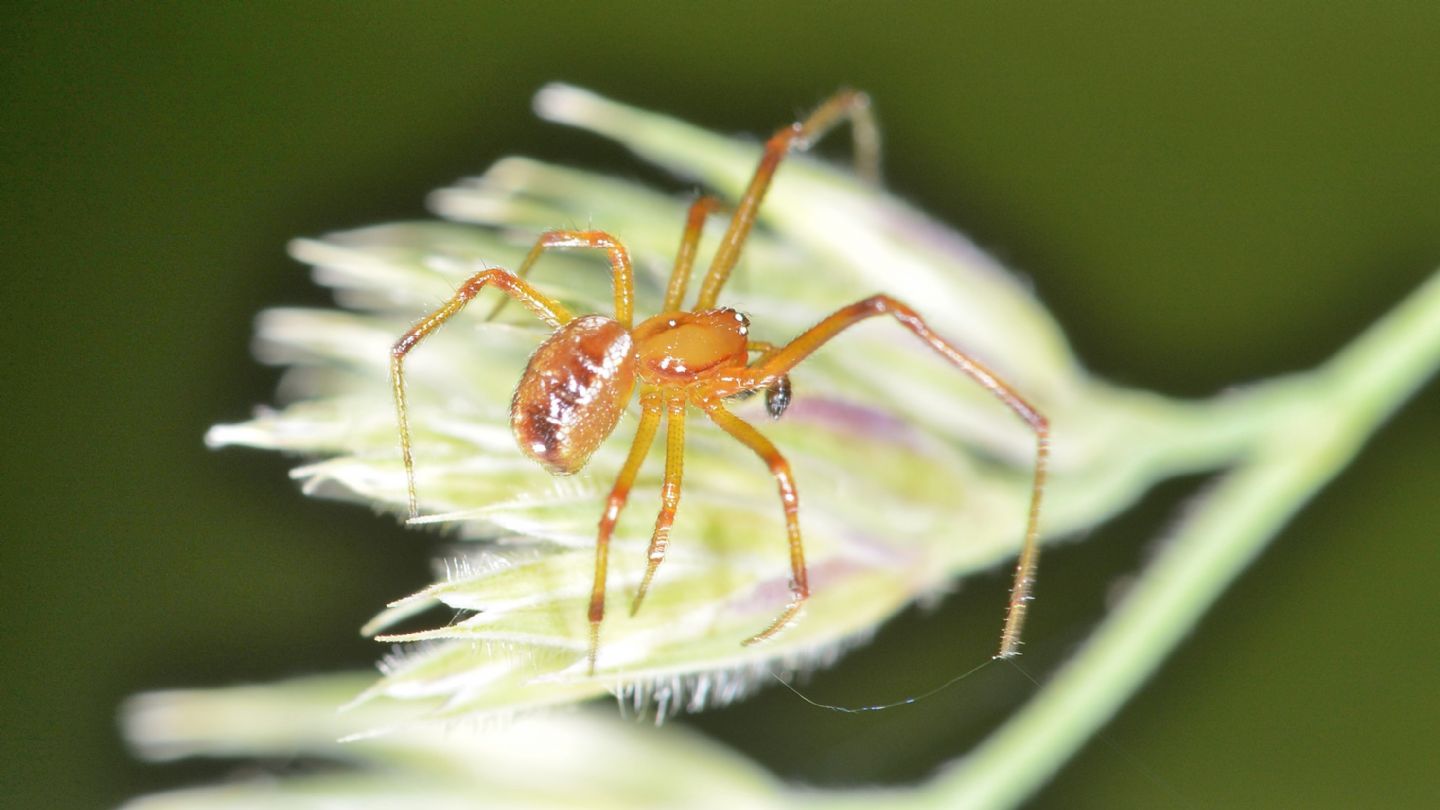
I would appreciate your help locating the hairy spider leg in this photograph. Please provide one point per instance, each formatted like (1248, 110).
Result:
(620, 266)
(545, 308)
(669, 494)
(789, 500)
(700, 210)
(767, 371)
(651, 407)
(670, 489)
(849, 105)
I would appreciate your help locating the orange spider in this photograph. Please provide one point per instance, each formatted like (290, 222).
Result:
(580, 379)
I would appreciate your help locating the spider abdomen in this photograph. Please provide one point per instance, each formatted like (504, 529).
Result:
(573, 391)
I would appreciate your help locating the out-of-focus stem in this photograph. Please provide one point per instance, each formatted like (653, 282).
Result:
(1300, 453)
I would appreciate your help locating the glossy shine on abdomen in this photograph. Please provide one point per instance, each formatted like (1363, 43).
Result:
(573, 392)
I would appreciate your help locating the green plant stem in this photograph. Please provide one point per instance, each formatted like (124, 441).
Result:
(1348, 400)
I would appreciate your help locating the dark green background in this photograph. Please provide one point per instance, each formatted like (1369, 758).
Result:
(1205, 196)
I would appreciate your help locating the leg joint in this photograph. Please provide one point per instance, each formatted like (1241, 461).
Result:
(478, 282)
(883, 304)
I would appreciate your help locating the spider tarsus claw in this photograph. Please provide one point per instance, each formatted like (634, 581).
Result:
(760, 636)
(1007, 651)
(781, 622)
(644, 588)
(594, 651)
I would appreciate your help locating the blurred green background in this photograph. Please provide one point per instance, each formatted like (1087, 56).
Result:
(1206, 195)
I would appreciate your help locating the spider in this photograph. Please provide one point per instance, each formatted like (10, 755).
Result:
(581, 378)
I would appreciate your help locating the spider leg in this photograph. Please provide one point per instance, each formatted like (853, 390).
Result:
(773, 366)
(544, 307)
(620, 266)
(700, 210)
(846, 104)
(789, 500)
(669, 495)
(651, 406)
